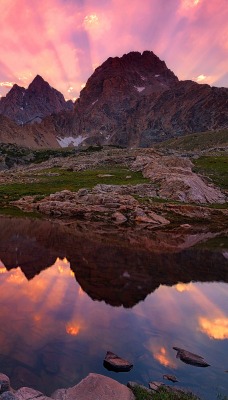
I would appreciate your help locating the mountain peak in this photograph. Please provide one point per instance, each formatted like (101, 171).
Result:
(38, 82)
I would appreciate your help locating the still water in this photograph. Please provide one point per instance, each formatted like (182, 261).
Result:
(60, 316)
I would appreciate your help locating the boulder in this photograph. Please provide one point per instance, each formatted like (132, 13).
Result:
(190, 358)
(4, 383)
(115, 363)
(95, 386)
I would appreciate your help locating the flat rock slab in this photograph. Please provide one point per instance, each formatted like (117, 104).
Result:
(95, 386)
(115, 363)
(190, 358)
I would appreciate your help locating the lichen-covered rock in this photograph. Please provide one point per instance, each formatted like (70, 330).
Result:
(26, 393)
(8, 396)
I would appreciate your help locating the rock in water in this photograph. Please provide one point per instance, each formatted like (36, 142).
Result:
(190, 358)
(115, 363)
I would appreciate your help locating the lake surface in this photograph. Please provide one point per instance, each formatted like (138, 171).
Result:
(65, 299)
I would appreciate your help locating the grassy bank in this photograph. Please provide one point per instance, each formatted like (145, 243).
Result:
(213, 167)
(197, 141)
(53, 180)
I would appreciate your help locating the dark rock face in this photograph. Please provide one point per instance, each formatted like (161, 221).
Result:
(33, 104)
(136, 100)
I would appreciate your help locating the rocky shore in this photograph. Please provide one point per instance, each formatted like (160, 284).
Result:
(94, 386)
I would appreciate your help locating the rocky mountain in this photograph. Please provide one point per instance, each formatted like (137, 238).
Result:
(135, 100)
(30, 105)
(132, 101)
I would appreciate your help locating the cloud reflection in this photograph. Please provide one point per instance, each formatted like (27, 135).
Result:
(215, 328)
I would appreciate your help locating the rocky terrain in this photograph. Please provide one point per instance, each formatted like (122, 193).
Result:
(130, 101)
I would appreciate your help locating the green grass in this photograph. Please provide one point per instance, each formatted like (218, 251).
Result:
(162, 394)
(217, 243)
(196, 141)
(69, 180)
(214, 167)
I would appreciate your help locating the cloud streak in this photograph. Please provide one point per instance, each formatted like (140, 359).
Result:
(64, 40)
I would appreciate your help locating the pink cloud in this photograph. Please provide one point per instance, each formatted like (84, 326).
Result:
(63, 40)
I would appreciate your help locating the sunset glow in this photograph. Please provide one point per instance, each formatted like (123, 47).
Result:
(63, 40)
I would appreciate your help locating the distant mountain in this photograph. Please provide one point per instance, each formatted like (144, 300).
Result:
(133, 100)
(33, 104)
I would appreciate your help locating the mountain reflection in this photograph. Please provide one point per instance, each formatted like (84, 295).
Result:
(120, 273)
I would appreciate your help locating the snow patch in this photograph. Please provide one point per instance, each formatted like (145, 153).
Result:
(156, 76)
(71, 141)
(139, 88)
(94, 102)
(142, 77)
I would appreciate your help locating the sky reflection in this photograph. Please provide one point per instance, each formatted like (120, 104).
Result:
(54, 334)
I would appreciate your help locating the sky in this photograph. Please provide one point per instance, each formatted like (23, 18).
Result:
(65, 40)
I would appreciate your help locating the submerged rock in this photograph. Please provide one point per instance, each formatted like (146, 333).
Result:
(115, 363)
(171, 378)
(190, 358)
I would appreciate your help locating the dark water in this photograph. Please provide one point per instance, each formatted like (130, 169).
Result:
(58, 317)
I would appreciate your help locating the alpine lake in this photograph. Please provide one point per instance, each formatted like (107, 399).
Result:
(67, 297)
